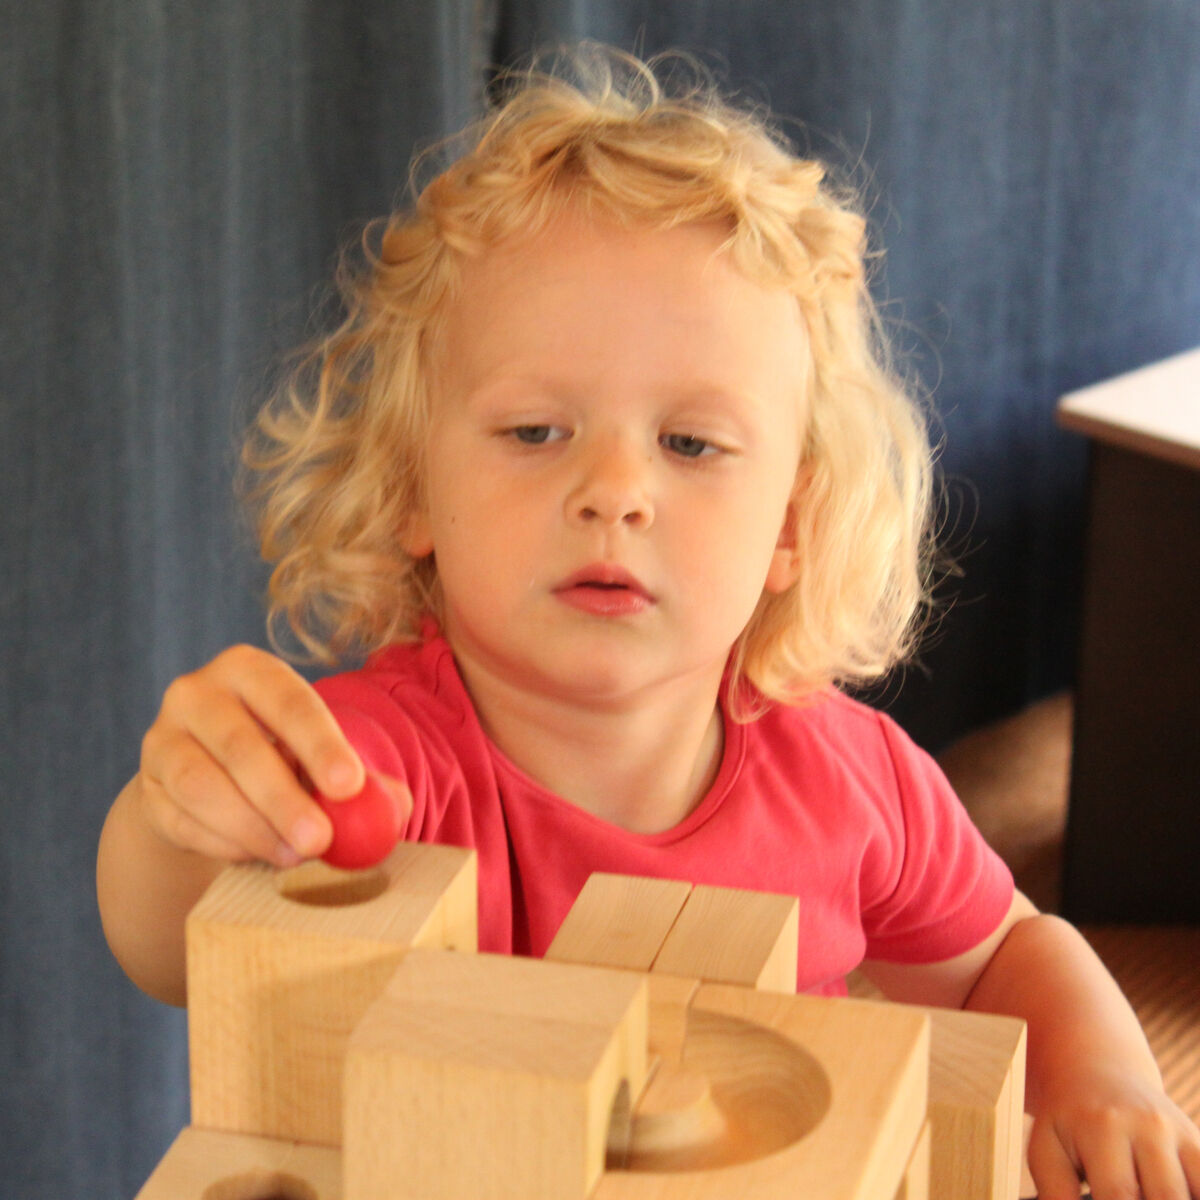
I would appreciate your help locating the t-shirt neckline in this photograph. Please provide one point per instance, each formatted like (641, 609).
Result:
(732, 754)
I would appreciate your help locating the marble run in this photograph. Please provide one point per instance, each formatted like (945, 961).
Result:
(347, 1042)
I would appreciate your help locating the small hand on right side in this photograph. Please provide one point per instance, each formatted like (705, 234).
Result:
(223, 764)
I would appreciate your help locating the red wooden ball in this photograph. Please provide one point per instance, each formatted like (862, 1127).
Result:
(365, 827)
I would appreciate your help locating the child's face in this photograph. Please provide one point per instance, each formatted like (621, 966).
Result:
(616, 436)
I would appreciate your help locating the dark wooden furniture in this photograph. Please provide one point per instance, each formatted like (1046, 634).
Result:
(1133, 820)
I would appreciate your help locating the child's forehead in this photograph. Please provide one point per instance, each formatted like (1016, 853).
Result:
(667, 305)
(576, 266)
(574, 248)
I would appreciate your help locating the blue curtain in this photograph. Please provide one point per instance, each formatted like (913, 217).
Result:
(1033, 169)
(174, 182)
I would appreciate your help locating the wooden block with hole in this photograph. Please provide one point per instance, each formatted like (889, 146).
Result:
(204, 1165)
(489, 1077)
(781, 1096)
(281, 967)
(976, 1105)
(752, 1093)
(683, 1073)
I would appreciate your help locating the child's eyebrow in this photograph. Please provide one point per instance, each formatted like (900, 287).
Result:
(709, 394)
(506, 386)
(702, 399)
(699, 397)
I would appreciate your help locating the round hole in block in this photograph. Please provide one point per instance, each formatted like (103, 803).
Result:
(319, 884)
(740, 1092)
(260, 1185)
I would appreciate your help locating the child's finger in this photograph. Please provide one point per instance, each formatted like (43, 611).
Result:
(1051, 1166)
(239, 747)
(1189, 1158)
(1108, 1164)
(242, 709)
(183, 829)
(195, 804)
(1160, 1171)
(202, 840)
(290, 708)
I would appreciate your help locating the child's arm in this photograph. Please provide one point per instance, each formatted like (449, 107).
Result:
(219, 782)
(1093, 1086)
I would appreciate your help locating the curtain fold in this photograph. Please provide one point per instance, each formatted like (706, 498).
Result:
(1031, 174)
(174, 183)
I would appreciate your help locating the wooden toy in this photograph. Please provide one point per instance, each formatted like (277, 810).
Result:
(916, 1182)
(671, 928)
(348, 1044)
(976, 1104)
(473, 1069)
(206, 1165)
(977, 1061)
(281, 966)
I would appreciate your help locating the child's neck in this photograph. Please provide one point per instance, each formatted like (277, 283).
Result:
(644, 766)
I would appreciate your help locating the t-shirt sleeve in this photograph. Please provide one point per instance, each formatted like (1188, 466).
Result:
(947, 890)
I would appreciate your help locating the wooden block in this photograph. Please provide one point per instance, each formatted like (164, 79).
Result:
(486, 1076)
(281, 967)
(719, 935)
(619, 921)
(676, 1114)
(976, 1105)
(204, 1165)
(724, 935)
(670, 998)
(814, 1097)
(915, 1185)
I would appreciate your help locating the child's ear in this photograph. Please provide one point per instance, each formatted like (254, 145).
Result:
(784, 568)
(416, 536)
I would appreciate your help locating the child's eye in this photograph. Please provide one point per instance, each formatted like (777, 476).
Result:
(536, 435)
(687, 446)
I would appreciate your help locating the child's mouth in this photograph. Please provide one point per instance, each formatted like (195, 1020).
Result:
(605, 591)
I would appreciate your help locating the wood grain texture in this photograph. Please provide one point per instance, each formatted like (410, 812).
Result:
(619, 921)
(1158, 969)
(976, 1105)
(724, 935)
(915, 1185)
(719, 935)
(276, 983)
(817, 1098)
(328, 1010)
(205, 1165)
(490, 1077)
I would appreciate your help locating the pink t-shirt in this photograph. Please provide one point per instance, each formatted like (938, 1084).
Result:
(829, 802)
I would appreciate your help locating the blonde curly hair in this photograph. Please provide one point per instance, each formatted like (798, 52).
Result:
(336, 459)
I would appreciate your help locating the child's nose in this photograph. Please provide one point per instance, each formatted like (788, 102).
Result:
(614, 487)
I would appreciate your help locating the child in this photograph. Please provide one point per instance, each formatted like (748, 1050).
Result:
(607, 472)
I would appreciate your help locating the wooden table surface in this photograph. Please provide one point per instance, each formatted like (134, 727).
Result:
(1154, 410)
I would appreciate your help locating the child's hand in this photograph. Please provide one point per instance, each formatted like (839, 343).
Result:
(222, 763)
(1125, 1137)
